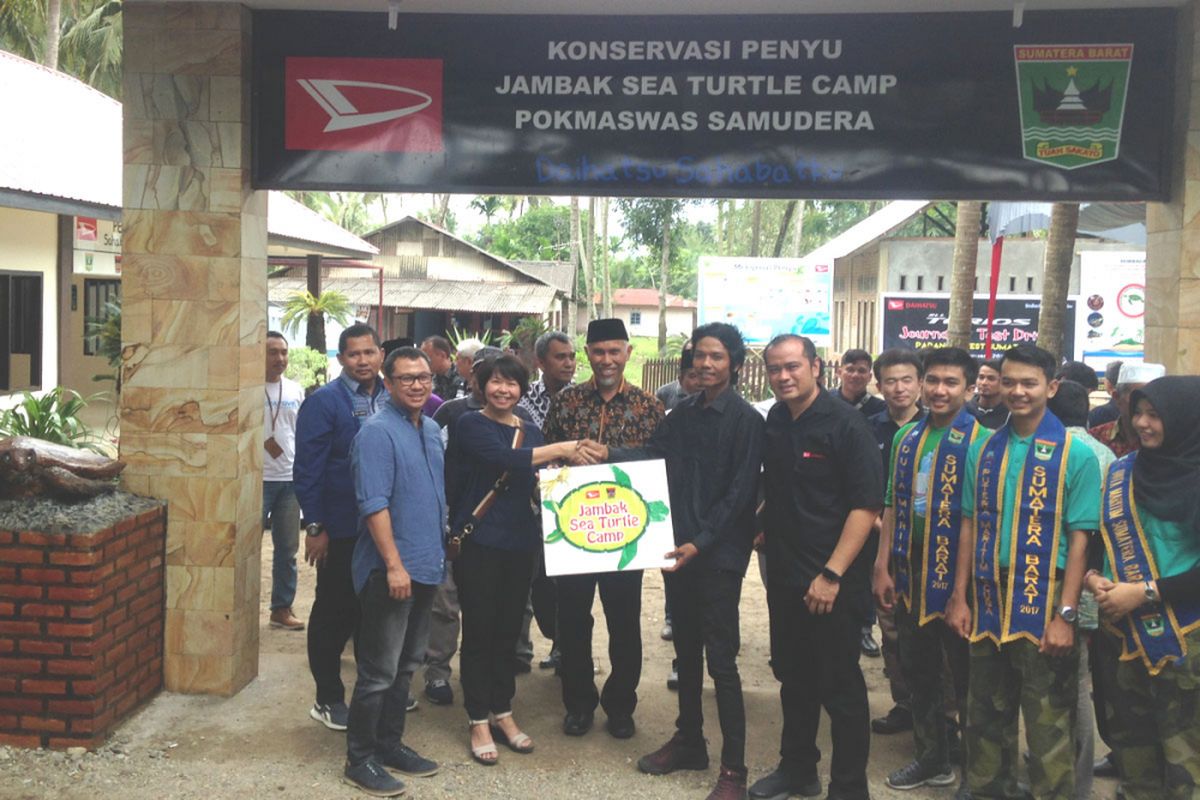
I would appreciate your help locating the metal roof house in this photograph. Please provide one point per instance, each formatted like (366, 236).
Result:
(433, 281)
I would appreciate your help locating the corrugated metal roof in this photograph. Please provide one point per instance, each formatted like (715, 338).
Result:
(289, 219)
(61, 139)
(891, 216)
(518, 298)
(559, 274)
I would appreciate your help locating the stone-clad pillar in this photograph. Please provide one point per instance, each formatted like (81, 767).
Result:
(1173, 228)
(194, 327)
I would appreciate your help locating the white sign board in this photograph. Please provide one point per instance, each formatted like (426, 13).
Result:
(97, 246)
(606, 518)
(1110, 324)
(765, 297)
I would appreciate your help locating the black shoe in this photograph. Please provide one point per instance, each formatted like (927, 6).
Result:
(372, 779)
(916, 774)
(781, 784)
(439, 692)
(620, 727)
(577, 724)
(1105, 767)
(521, 667)
(551, 661)
(405, 759)
(898, 720)
(870, 648)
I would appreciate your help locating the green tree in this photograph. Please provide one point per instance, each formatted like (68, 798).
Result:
(86, 42)
(349, 210)
(650, 223)
(302, 307)
(489, 205)
(542, 233)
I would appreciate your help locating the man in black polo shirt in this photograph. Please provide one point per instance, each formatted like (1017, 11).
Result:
(824, 488)
(855, 374)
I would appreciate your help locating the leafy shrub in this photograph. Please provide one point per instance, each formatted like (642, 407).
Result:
(53, 417)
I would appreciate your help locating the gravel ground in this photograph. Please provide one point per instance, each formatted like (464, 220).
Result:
(56, 516)
(261, 743)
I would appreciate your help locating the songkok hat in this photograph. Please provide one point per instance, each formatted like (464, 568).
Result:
(486, 353)
(606, 330)
(1140, 373)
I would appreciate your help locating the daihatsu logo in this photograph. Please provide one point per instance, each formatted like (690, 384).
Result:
(344, 115)
(363, 104)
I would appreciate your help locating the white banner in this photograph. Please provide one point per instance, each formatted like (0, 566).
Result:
(1110, 321)
(765, 297)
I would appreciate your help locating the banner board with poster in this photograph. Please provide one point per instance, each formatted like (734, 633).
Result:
(97, 247)
(766, 296)
(606, 518)
(920, 321)
(1111, 325)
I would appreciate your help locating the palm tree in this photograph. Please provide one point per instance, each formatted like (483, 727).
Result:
(304, 307)
(488, 205)
(962, 273)
(1060, 252)
(85, 41)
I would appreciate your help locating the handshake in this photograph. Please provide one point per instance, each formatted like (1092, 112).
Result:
(584, 452)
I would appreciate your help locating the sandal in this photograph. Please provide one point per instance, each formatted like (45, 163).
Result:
(520, 743)
(485, 754)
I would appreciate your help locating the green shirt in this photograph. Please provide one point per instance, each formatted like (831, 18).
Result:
(924, 469)
(1175, 550)
(1081, 493)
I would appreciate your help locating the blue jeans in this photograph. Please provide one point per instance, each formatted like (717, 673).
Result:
(391, 646)
(282, 510)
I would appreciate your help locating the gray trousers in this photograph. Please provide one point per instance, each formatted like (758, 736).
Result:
(444, 627)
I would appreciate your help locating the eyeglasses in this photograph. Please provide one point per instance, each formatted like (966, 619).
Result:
(409, 380)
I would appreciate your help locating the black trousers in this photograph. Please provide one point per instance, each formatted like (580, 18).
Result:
(543, 596)
(815, 659)
(493, 587)
(621, 596)
(333, 621)
(704, 615)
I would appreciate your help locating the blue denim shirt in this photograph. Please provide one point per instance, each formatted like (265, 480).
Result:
(399, 467)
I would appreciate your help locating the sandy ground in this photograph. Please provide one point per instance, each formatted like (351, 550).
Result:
(261, 743)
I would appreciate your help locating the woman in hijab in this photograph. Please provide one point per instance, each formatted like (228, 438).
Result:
(1150, 595)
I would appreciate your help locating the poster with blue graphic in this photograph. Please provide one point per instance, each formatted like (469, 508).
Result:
(765, 297)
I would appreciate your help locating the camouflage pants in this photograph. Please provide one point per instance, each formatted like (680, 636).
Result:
(1154, 724)
(1007, 682)
(925, 651)
(892, 667)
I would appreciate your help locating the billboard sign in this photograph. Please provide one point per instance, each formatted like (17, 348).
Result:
(790, 105)
(1111, 325)
(766, 296)
(919, 321)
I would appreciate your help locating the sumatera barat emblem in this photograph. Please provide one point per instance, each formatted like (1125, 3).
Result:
(1072, 100)
(604, 517)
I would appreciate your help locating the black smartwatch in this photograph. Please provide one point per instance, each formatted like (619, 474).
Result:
(830, 575)
(313, 529)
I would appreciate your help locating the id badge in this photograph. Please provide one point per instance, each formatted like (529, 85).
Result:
(272, 447)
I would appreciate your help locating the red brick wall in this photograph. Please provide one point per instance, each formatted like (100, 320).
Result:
(81, 630)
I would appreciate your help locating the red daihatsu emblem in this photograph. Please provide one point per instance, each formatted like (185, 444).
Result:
(371, 104)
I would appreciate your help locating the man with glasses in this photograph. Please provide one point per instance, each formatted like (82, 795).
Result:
(397, 566)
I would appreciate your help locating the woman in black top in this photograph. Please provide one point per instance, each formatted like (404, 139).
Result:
(495, 567)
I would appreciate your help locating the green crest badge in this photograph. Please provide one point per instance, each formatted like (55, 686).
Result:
(1043, 449)
(956, 436)
(1072, 100)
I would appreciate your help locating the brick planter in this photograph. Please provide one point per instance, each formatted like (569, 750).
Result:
(81, 629)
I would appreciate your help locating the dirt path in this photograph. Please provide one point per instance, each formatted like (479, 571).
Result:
(262, 743)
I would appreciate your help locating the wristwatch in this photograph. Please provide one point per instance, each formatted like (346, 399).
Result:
(830, 575)
(1069, 614)
(1151, 592)
(313, 529)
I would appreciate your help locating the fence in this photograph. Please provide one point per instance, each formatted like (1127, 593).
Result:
(752, 381)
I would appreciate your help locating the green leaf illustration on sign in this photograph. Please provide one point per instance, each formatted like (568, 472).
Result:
(658, 510)
(549, 506)
(557, 535)
(621, 478)
(627, 554)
